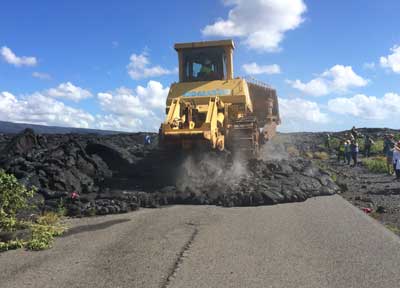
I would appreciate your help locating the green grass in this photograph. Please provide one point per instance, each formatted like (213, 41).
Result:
(377, 148)
(393, 228)
(375, 164)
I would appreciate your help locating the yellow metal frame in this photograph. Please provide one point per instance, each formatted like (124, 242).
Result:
(209, 129)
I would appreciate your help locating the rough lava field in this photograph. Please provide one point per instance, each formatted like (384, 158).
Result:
(117, 173)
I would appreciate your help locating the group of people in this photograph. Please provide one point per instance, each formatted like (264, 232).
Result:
(348, 150)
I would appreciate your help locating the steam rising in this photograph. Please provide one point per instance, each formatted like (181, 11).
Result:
(199, 174)
(273, 151)
(212, 173)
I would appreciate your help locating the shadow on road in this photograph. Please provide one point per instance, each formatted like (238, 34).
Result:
(94, 227)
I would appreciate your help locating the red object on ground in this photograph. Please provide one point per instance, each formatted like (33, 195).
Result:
(367, 210)
(74, 195)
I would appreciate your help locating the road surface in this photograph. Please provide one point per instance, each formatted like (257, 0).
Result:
(323, 242)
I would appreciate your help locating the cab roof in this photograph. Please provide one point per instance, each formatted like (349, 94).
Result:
(219, 43)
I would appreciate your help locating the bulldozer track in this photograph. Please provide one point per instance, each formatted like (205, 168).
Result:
(245, 136)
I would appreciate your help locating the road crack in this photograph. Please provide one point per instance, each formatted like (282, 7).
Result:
(179, 260)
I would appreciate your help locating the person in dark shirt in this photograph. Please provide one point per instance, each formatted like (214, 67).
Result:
(388, 146)
(354, 152)
(367, 145)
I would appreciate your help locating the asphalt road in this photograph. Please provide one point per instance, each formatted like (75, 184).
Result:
(323, 242)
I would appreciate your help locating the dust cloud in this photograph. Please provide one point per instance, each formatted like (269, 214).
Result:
(275, 149)
(199, 173)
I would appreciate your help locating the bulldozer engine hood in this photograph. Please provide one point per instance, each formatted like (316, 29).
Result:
(232, 91)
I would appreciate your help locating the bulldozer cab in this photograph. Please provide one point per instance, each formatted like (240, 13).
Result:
(205, 61)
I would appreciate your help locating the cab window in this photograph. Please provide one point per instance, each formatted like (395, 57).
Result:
(204, 64)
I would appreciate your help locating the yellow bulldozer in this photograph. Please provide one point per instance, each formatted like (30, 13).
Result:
(209, 108)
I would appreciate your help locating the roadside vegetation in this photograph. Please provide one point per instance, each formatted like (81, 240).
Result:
(16, 233)
(321, 155)
(375, 164)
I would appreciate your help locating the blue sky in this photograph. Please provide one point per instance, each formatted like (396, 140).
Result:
(108, 65)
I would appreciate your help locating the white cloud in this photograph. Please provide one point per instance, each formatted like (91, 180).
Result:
(300, 109)
(42, 76)
(68, 91)
(392, 61)
(122, 101)
(10, 57)
(124, 109)
(118, 123)
(367, 107)
(300, 115)
(139, 67)
(255, 69)
(261, 23)
(40, 109)
(154, 94)
(133, 109)
(337, 79)
(316, 87)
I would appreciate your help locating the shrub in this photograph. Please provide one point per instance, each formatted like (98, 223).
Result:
(13, 197)
(61, 209)
(44, 230)
(321, 155)
(377, 148)
(375, 164)
(11, 245)
(49, 218)
(43, 236)
(309, 155)
(334, 143)
(293, 151)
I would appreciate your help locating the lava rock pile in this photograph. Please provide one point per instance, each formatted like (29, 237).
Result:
(98, 175)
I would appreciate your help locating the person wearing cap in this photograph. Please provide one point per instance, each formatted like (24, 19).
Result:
(388, 146)
(396, 160)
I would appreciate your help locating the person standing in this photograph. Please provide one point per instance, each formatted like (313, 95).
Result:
(367, 145)
(147, 140)
(347, 152)
(388, 146)
(354, 151)
(396, 160)
(328, 142)
(354, 132)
